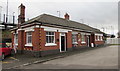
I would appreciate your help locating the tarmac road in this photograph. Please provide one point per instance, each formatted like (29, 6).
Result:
(102, 58)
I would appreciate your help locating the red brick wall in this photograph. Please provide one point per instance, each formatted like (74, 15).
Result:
(36, 39)
(99, 42)
(43, 41)
(69, 40)
(24, 38)
(79, 42)
(57, 39)
(20, 39)
(83, 44)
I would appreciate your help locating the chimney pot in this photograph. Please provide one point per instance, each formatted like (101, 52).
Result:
(66, 16)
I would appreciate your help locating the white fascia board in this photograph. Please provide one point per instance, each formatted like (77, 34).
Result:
(73, 32)
(83, 33)
(49, 28)
(29, 24)
(63, 30)
(88, 33)
(27, 29)
(98, 34)
(54, 29)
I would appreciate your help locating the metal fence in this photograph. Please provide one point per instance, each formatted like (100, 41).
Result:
(113, 41)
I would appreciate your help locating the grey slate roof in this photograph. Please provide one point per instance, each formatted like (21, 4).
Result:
(49, 19)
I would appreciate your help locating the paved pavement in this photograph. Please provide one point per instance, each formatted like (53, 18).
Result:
(100, 58)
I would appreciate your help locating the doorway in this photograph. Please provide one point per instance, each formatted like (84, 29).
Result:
(62, 42)
(88, 41)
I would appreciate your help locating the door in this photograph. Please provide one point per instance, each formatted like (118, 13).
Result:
(62, 43)
(88, 41)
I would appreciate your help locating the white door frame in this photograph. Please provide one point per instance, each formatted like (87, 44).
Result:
(88, 41)
(62, 34)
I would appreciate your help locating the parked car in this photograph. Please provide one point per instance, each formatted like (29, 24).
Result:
(4, 50)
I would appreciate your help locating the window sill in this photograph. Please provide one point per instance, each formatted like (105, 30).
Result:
(28, 44)
(74, 43)
(16, 44)
(50, 44)
(83, 42)
(98, 40)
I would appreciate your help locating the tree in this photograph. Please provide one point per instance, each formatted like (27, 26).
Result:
(112, 36)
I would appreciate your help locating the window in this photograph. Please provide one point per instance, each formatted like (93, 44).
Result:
(101, 38)
(74, 38)
(96, 38)
(16, 38)
(29, 37)
(50, 37)
(83, 38)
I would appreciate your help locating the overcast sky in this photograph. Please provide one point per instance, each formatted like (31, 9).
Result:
(96, 13)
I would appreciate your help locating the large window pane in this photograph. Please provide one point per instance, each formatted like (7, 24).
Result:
(29, 37)
(83, 38)
(74, 38)
(50, 37)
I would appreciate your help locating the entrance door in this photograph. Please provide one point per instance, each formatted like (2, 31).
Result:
(88, 41)
(62, 43)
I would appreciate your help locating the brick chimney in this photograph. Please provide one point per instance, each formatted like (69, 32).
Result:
(21, 14)
(66, 16)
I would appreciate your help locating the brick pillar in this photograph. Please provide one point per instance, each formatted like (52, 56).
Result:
(36, 42)
(43, 39)
(57, 39)
(20, 40)
(69, 39)
(35, 39)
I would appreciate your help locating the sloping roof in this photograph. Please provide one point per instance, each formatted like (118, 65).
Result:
(63, 22)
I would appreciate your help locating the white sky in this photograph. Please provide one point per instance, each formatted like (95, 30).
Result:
(96, 13)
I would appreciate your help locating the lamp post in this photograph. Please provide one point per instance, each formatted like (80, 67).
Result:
(7, 12)
(0, 13)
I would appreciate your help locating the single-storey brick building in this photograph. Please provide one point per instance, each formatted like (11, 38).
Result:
(47, 34)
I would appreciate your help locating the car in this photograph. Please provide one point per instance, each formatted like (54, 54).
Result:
(4, 50)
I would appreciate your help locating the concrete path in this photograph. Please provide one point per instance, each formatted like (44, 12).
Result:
(101, 58)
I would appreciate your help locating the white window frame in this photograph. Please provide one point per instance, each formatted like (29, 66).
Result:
(74, 39)
(82, 37)
(51, 43)
(27, 35)
(101, 38)
(98, 38)
(95, 37)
